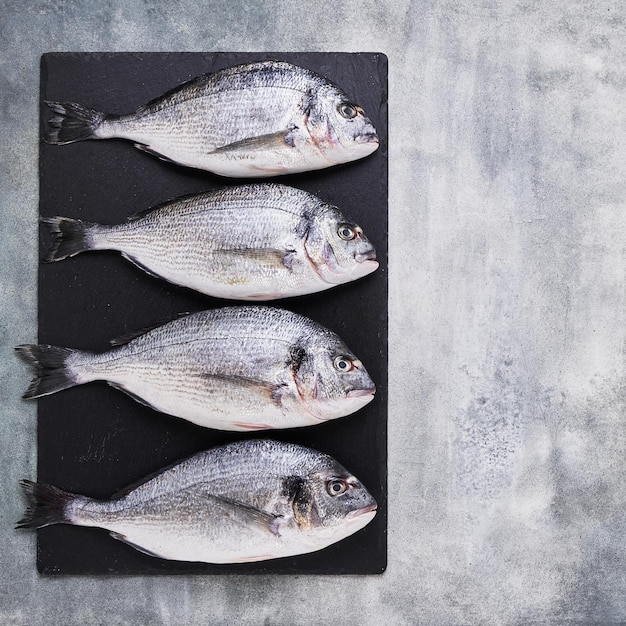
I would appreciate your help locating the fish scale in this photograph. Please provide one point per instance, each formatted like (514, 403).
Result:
(246, 501)
(254, 242)
(254, 120)
(238, 368)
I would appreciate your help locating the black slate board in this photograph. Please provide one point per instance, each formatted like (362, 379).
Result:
(95, 440)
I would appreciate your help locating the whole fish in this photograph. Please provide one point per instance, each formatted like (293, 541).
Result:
(237, 368)
(248, 501)
(258, 119)
(255, 242)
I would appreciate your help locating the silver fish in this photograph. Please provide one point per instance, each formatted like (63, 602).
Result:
(255, 242)
(237, 368)
(242, 502)
(258, 119)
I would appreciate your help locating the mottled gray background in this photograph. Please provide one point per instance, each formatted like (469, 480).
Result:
(507, 309)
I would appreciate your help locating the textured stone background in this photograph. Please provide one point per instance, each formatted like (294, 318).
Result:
(507, 309)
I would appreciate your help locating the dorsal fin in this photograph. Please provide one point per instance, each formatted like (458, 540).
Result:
(216, 76)
(132, 486)
(124, 339)
(179, 199)
(172, 92)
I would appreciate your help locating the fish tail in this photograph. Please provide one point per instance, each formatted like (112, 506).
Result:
(48, 505)
(72, 122)
(51, 371)
(70, 237)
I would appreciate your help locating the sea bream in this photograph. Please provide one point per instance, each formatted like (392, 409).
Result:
(254, 242)
(236, 368)
(252, 120)
(248, 501)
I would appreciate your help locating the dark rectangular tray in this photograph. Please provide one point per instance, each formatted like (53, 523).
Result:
(95, 440)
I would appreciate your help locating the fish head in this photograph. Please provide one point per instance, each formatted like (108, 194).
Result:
(339, 128)
(329, 503)
(331, 381)
(337, 248)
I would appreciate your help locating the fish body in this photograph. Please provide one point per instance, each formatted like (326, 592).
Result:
(254, 242)
(247, 501)
(237, 368)
(252, 120)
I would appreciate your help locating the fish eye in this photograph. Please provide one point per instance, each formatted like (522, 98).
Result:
(336, 487)
(347, 110)
(342, 364)
(346, 233)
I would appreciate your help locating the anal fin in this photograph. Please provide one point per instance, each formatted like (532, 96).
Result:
(134, 396)
(248, 426)
(139, 548)
(145, 148)
(141, 266)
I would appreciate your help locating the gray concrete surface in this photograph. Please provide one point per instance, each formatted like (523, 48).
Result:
(507, 310)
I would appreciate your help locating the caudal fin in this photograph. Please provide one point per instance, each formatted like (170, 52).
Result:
(70, 237)
(48, 505)
(72, 122)
(51, 372)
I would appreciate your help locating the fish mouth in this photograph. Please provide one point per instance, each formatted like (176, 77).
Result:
(370, 255)
(361, 393)
(349, 402)
(367, 138)
(365, 510)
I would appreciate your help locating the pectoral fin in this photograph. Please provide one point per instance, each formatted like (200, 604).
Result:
(248, 515)
(271, 141)
(265, 256)
(268, 390)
